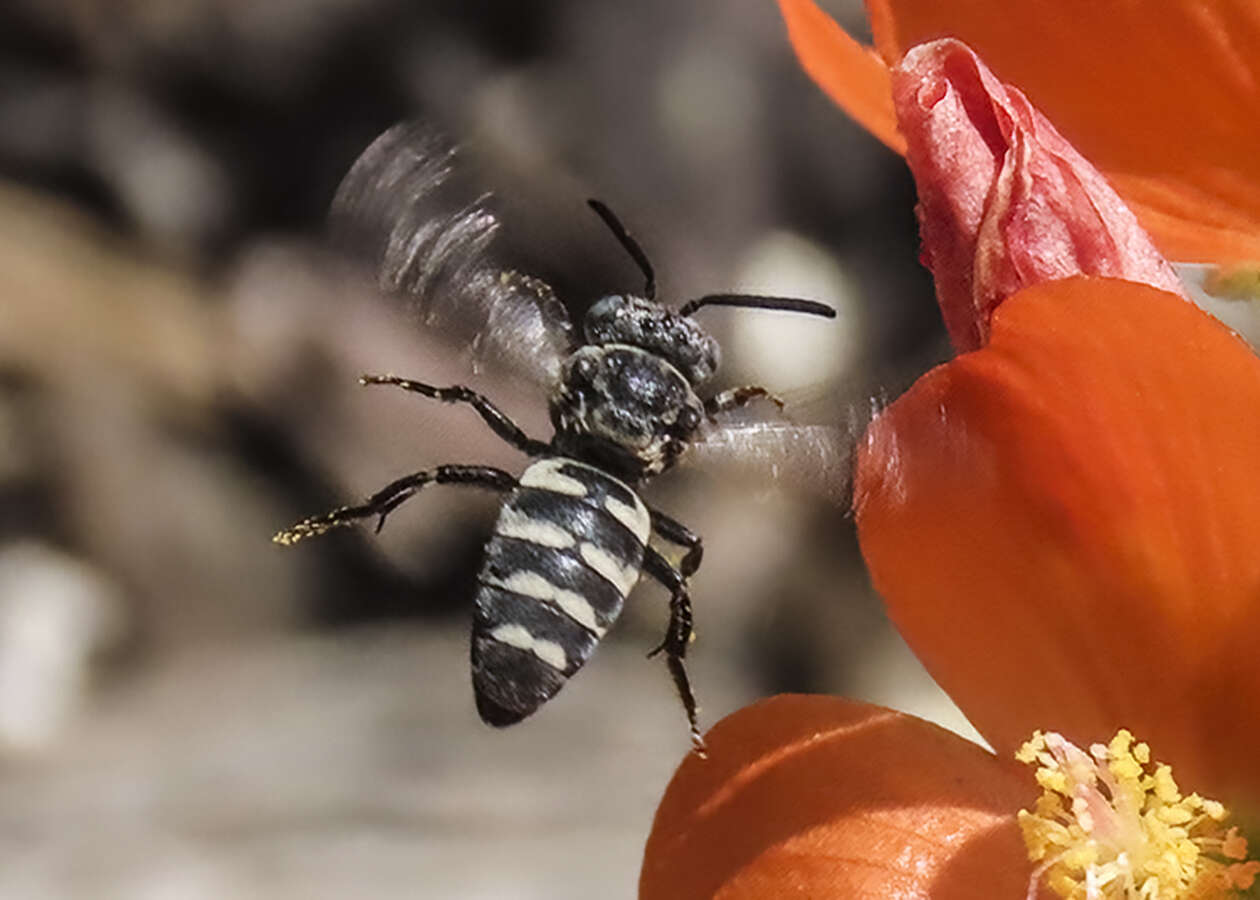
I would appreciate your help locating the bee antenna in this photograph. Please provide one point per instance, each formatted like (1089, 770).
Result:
(788, 304)
(630, 244)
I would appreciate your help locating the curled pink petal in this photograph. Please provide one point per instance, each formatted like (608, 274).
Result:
(1005, 202)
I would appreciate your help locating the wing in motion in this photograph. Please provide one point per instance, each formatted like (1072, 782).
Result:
(395, 207)
(809, 459)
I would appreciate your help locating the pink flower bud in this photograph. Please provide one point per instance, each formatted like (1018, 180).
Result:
(1005, 202)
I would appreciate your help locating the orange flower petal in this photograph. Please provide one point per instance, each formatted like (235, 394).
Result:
(1189, 222)
(821, 797)
(1164, 100)
(853, 76)
(1065, 524)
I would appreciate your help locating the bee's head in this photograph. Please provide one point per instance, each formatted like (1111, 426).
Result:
(661, 331)
(668, 333)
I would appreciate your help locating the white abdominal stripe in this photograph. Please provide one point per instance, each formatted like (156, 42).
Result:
(621, 575)
(566, 551)
(513, 523)
(634, 516)
(570, 478)
(541, 629)
(551, 475)
(518, 636)
(536, 587)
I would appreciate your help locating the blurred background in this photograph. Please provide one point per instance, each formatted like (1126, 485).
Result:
(189, 711)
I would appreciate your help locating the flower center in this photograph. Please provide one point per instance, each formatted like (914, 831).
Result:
(1112, 825)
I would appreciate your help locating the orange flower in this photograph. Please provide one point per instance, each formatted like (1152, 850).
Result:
(1164, 99)
(821, 797)
(1064, 525)
(1076, 500)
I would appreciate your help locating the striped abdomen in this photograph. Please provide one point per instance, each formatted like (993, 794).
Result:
(566, 550)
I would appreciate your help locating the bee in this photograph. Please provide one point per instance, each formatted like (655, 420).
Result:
(627, 400)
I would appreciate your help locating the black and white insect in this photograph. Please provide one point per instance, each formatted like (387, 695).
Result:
(573, 535)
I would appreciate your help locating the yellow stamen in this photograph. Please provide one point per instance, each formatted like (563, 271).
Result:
(1112, 825)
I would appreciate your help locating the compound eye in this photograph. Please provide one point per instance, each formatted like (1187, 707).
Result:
(689, 419)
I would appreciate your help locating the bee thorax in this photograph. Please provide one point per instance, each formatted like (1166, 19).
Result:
(624, 407)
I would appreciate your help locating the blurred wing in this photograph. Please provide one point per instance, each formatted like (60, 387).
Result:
(399, 207)
(810, 459)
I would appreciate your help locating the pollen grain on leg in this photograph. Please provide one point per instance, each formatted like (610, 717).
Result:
(312, 527)
(1112, 825)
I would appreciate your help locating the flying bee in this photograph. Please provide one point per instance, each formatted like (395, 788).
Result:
(573, 535)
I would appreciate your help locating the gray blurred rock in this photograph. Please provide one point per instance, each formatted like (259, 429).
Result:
(352, 766)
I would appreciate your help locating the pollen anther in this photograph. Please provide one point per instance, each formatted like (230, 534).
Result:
(1111, 824)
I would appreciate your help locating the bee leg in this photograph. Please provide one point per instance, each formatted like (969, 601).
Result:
(677, 533)
(498, 421)
(390, 497)
(737, 397)
(677, 637)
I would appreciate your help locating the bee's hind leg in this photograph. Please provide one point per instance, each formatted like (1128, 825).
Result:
(390, 497)
(677, 637)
